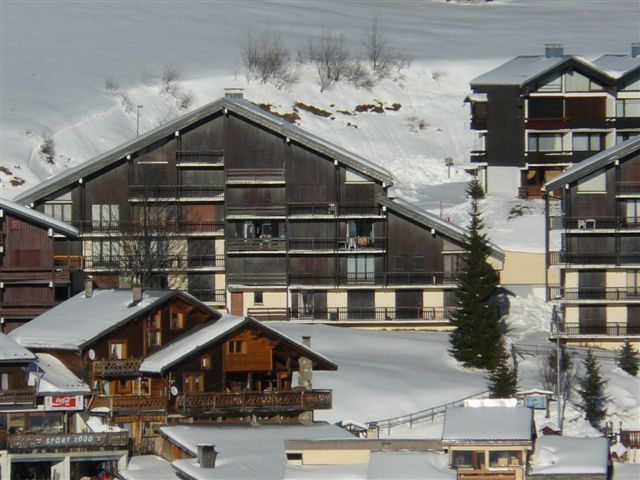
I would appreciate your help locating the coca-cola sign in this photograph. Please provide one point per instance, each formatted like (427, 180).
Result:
(63, 402)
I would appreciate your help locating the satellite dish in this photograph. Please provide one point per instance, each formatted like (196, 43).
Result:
(92, 354)
(174, 391)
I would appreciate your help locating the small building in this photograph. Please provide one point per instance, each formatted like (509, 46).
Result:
(34, 272)
(569, 458)
(488, 442)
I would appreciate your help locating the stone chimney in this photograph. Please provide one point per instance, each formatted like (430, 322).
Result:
(207, 455)
(234, 92)
(373, 431)
(553, 50)
(88, 287)
(136, 291)
(635, 49)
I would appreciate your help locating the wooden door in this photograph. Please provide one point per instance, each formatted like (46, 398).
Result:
(237, 305)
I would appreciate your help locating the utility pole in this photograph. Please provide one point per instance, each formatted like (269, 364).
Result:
(138, 120)
(558, 362)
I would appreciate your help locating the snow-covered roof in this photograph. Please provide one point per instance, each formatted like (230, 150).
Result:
(409, 465)
(430, 220)
(38, 217)
(487, 423)
(555, 455)
(148, 467)
(626, 471)
(476, 97)
(593, 164)
(199, 338)
(11, 352)
(246, 452)
(617, 66)
(80, 320)
(238, 106)
(55, 377)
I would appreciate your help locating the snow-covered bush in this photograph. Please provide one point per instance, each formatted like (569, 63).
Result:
(266, 58)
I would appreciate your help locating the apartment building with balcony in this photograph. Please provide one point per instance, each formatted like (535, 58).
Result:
(33, 277)
(154, 357)
(593, 248)
(537, 114)
(248, 211)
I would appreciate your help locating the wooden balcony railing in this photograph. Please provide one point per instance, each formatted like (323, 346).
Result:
(34, 274)
(131, 404)
(469, 474)
(359, 209)
(256, 210)
(559, 156)
(600, 329)
(547, 123)
(133, 228)
(341, 314)
(68, 261)
(254, 175)
(149, 192)
(62, 441)
(23, 396)
(166, 263)
(628, 188)
(630, 438)
(213, 296)
(247, 402)
(117, 368)
(252, 244)
(234, 278)
(373, 278)
(595, 293)
(201, 157)
(310, 208)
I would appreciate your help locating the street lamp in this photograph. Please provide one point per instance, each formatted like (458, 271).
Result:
(448, 162)
(138, 120)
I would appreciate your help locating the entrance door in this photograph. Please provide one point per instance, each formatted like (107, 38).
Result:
(360, 305)
(591, 284)
(237, 305)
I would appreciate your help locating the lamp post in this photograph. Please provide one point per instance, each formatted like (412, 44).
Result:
(138, 120)
(558, 361)
(448, 162)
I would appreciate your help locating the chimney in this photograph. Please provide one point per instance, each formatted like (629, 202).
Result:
(136, 291)
(305, 367)
(373, 431)
(88, 287)
(553, 50)
(207, 455)
(635, 49)
(234, 92)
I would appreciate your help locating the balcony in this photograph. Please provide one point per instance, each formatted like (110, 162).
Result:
(478, 123)
(165, 263)
(343, 314)
(373, 278)
(360, 210)
(549, 157)
(152, 228)
(250, 402)
(255, 176)
(624, 122)
(480, 474)
(34, 275)
(130, 404)
(209, 296)
(595, 293)
(63, 441)
(607, 330)
(200, 158)
(350, 244)
(310, 209)
(628, 188)
(630, 438)
(267, 244)
(576, 259)
(126, 367)
(251, 211)
(593, 223)
(145, 193)
(23, 396)
(252, 279)
(478, 156)
(548, 123)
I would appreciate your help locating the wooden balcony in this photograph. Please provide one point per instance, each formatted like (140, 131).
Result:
(473, 474)
(34, 275)
(200, 158)
(209, 296)
(179, 192)
(624, 122)
(255, 176)
(130, 404)
(350, 244)
(117, 368)
(166, 263)
(549, 157)
(258, 211)
(595, 293)
(360, 210)
(250, 402)
(608, 329)
(374, 278)
(65, 441)
(575, 259)
(344, 314)
(21, 397)
(628, 188)
(548, 123)
(630, 438)
(311, 209)
(234, 278)
(152, 228)
(267, 244)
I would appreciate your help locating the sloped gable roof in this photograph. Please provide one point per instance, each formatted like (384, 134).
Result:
(618, 66)
(487, 423)
(240, 107)
(593, 164)
(12, 352)
(39, 218)
(199, 338)
(430, 220)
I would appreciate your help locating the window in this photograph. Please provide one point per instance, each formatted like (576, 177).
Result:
(59, 211)
(633, 282)
(105, 216)
(553, 85)
(632, 208)
(154, 330)
(193, 382)
(624, 136)
(587, 142)
(176, 320)
(628, 107)
(205, 362)
(258, 297)
(361, 267)
(510, 458)
(469, 459)
(545, 142)
(236, 346)
(124, 387)
(576, 82)
(355, 177)
(105, 250)
(632, 86)
(4, 381)
(117, 349)
(594, 184)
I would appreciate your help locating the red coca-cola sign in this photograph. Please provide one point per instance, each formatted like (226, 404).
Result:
(63, 402)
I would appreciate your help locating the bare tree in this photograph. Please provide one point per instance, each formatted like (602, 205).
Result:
(171, 77)
(266, 57)
(47, 147)
(568, 375)
(375, 46)
(331, 55)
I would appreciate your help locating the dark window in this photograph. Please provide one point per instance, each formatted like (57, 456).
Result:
(257, 297)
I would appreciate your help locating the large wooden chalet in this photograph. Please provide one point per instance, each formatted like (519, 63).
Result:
(161, 356)
(593, 248)
(32, 277)
(251, 212)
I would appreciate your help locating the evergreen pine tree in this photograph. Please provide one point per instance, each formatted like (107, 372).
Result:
(591, 390)
(628, 358)
(474, 189)
(503, 380)
(477, 339)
